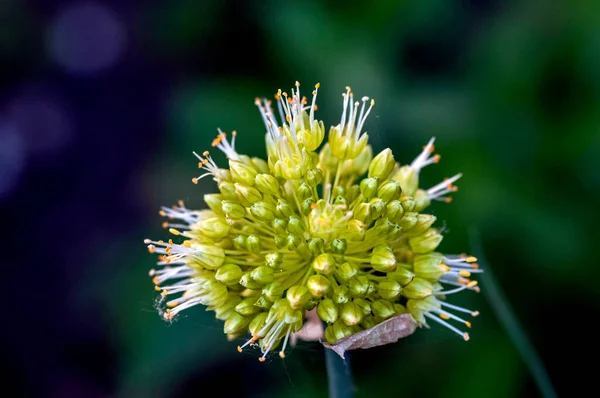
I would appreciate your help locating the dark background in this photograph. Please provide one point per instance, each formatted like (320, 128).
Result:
(102, 103)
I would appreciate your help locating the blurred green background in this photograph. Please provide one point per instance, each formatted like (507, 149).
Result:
(510, 89)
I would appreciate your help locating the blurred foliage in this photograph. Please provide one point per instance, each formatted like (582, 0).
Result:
(510, 90)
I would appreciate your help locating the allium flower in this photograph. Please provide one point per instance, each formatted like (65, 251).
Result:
(305, 230)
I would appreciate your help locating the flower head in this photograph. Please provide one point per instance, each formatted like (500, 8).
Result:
(306, 229)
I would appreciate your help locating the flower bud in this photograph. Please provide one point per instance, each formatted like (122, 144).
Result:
(383, 259)
(339, 246)
(418, 307)
(233, 210)
(261, 165)
(279, 226)
(425, 243)
(229, 274)
(417, 289)
(369, 321)
(273, 291)
(327, 310)
(408, 221)
(280, 241)
(257, 323)
(429, 266)
(284, 209)
(382, 165)
(356, 231)
(227, 190)
(304, 191)
(346, 271)
(273, 259)
(214, 227)
(210, 257)
(249, 283)
(389, 289)
(351, 313)
(327, 160)
(394, 211)
(293, 242)
(389, 190)
(324, 263)
(424, 221)
(307, 206)
(263, 211)
(341, 330)
(298, 296)
(246, 194)
(264, 303)
(400, 309)
(382, 308)
(246, 307)
(253, 244)
(340, 294)
(340, 201)
(236, 324)
(239, 242)
(377, 207)
(213, 200)
(358, 286)
(401, 275)
(315, 246)
(241, 172)
(266, 183)
(362, 213)
(223, 311)
(408, 203)
(318, 285)
(296, 226)
(360, 164)
(364, 305)
(262, 274)
(329, 335)
(368, 187)
(408, 179)
(422, 200)
(313, 177)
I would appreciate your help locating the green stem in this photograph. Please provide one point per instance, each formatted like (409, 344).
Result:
(509, 321)
(339, 376)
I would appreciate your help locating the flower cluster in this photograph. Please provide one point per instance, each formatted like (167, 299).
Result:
(307, 229)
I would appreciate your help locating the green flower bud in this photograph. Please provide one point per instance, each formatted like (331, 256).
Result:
(372, 287)
(280, 241)
(369, 322)
(408, 203)
(424, 221)
(213, 200)
(257, 323)
(273, 291)
(377, 207)
(241, 172)
(389, 190)
(362, 213)
(352, 193)
(327, 160)
(401, 275)
(229, 274)
(313, 177)
(210, 257)
(425, 243)
(341, 330)
(298, 296)
(293, 242)
(364, 305)
(324, 263)
(261, 165)
(233, 210)
(266, 183)
(346, 271)
(236, 324)
(239, 242)
(358, 286)
(273, 259)
(339, 246)
(223, 311)
(307, 206)
(382, 165)
(356, 231)
(262, 274)
(246, 194)
(429, 266)
(284, 209)
(214, 227)
(418, 307)
(408, 179)
(327, 310)
(253, 244)
(394, 211)
(315, 246)
(249, 283)
(329, 335)
(422, 200)
(318, 285)
(279, 226)
(408, 221)
(263, 211)
(368, 187)
(382, 308)
(417, 289)
(383, 259)
(351, 314)
(360, 164)
(264, 303)
(246, 307)
(227, 190)
(296, 226)
(304, 191)
(340, 294)
(400, 309)
(389, 289)
(340, 201)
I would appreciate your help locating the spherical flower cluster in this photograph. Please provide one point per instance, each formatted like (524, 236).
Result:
(306, 229)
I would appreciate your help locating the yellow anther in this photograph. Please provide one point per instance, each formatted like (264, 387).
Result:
(444, 316)
(464, 273)
(471, 259)
(174, 232)
(239, 349)
(468, 324)
(281, 354)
